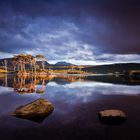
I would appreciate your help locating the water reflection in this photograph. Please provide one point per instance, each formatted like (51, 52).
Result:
(29, 85)
(103, 83)
(77, 101)
(22, 85)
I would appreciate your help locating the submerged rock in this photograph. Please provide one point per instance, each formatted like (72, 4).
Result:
(112, 117)
(37, 110)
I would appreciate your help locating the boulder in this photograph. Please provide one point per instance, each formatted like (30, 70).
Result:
(37, 110)
(112, 116)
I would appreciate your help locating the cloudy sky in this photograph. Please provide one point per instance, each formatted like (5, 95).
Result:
(77, 31)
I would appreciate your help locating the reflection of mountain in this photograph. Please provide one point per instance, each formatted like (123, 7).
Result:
(38, 85)
(61, 81)
(115, 80)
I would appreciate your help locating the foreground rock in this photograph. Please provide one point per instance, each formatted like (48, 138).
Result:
(112, 117)
(37, 110)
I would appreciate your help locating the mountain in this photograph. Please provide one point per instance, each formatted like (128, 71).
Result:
(63, 63)
(39, 63)
(9, 63)
(120, 67)
(103, 69)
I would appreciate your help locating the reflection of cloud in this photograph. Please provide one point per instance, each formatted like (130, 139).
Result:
(97, 87)
(83, 92)
(68, 99)
(4, 90)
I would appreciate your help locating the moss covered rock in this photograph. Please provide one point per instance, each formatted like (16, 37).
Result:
(37, 110)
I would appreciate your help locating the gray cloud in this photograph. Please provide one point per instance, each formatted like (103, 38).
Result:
(83, 30)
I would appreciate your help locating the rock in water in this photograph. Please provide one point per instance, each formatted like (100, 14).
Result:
(37, 110)
(112, 117)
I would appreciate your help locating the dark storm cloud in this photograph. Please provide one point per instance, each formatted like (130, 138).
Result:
(89, 27)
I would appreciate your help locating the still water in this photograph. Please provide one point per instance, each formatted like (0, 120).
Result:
(77, 101)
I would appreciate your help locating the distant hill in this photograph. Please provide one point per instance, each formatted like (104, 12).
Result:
(39, 63)
(9, 64)
(121, 67)
(63, 63)
(103, 69)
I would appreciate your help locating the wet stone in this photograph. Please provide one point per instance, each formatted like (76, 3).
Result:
(37, 110)
(112, 117)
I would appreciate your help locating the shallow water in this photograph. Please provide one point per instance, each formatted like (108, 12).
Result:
(77, 101)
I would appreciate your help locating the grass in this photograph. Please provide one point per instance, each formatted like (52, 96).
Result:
(2, 71)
